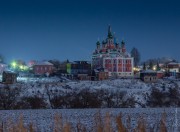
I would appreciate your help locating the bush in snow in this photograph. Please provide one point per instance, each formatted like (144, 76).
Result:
(8, 97)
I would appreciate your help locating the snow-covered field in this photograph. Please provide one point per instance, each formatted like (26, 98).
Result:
(44, 119)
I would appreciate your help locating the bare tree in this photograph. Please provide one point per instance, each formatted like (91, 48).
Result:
(137, 57)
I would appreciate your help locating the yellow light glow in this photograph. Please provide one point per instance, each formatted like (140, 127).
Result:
(25, 68)
(14, 64)
(154, 68)
(21, 67)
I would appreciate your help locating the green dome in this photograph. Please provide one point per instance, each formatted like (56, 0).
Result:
(122, 42)
(98, 43)
(110, 35)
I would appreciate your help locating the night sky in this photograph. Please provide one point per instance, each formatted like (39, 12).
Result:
(47, 29)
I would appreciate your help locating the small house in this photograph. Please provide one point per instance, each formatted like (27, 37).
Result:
(160, 74)
(83, 77)
(148, 76)
(173, 68)
(100, 74)
(78, 67)
(43, 68)
(9, 77)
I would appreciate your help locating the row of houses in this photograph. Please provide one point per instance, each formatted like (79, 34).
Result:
(75, 70)
(171, 69)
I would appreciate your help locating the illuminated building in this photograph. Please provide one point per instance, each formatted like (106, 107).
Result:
(113, 57)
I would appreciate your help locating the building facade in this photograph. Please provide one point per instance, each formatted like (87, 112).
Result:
(9, 77)
(149, 76)
(43, 68)
(79, 67)
(173, 67)
(112, 56)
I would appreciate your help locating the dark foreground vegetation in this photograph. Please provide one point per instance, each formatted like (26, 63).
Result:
(105, 123)
(12, 98)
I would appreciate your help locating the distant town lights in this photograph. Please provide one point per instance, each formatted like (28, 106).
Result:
(136, 69)
(14, 64)
(21, 67)
(154, 68)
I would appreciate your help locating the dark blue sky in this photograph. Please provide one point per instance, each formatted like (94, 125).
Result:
(64, 29)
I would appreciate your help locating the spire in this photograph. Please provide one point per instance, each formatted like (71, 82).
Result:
(109, 32)
(109, 29)
(98, 45)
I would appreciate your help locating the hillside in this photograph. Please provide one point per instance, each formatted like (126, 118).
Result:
(58, 92)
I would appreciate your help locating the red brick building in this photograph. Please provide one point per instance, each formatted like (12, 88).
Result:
(160, 74)
(113, 57)
(101, 74)
(41, 68)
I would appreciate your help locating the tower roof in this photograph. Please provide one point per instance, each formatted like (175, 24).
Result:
(109, 32)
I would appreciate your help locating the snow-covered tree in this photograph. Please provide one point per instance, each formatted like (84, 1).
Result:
(150, 65)
(144, 66)
(158, 67)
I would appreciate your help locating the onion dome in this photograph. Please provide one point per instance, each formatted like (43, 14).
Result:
(122, 42)
(98, 43)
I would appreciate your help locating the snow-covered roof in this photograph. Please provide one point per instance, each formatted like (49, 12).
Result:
(127, 54)
(3, 65)
(44, 63)
(173, 63)
(8, 71)
(160, 72)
